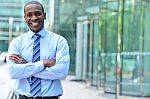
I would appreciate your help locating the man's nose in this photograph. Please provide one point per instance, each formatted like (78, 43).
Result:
(34, 17)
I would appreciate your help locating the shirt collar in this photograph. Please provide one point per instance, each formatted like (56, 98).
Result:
(42, 33)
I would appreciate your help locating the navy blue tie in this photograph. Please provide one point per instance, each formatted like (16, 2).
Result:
(36, 82)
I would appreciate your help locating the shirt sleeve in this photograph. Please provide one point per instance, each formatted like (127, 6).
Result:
(61, 67)
(20, 71)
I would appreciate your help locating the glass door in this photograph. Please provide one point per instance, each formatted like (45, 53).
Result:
(82, 47)
(108, 29)
(94, 50)
(87, 48)
(132, 78)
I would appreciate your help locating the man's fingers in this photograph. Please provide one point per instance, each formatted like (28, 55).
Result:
(13, 57)
(17, 59)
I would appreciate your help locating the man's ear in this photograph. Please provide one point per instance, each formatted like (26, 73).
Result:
(44, 15)
(24, 17)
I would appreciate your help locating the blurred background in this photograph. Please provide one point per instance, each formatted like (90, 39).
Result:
(108, 40)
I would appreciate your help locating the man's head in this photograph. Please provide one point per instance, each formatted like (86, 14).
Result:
(34, 15)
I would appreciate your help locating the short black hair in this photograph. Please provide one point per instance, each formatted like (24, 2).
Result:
(34, 2)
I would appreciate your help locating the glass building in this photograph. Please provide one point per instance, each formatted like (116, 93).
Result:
(108, 39)
(112, 45)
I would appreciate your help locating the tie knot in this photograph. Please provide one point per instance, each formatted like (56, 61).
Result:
(37, 35)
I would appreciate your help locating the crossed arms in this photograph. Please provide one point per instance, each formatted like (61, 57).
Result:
(49, 67)
(20, 60)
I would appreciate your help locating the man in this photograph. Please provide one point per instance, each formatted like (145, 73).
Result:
(38, 59)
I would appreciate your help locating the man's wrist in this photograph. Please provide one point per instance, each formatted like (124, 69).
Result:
(48, 63)
(44, 64)
(23, 61)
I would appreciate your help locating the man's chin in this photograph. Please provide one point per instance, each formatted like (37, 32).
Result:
(35, 29)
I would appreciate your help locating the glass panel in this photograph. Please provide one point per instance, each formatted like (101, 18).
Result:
(67, 12)
(111, 45)
(95, 52)
(90, 53)
(110, 69)
(84, 49)
(146, 42)
(132, 56)
(102, 40)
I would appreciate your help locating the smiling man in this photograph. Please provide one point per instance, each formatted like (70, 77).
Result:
(38, 59)
(34, 16)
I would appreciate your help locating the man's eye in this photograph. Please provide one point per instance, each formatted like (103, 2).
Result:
(37, 13)
(29, 15)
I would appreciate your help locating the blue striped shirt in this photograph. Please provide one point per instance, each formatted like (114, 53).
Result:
(51, 46)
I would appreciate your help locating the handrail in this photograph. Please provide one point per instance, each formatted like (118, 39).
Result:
(12, 94)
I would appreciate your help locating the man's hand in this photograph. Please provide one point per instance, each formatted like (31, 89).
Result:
(49, 63)
(17, 59)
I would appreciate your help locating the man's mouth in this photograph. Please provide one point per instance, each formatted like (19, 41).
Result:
(34, 24)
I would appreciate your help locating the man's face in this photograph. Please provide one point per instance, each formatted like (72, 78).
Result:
(34, 17)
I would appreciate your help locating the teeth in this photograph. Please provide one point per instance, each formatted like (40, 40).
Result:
(34, 23)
